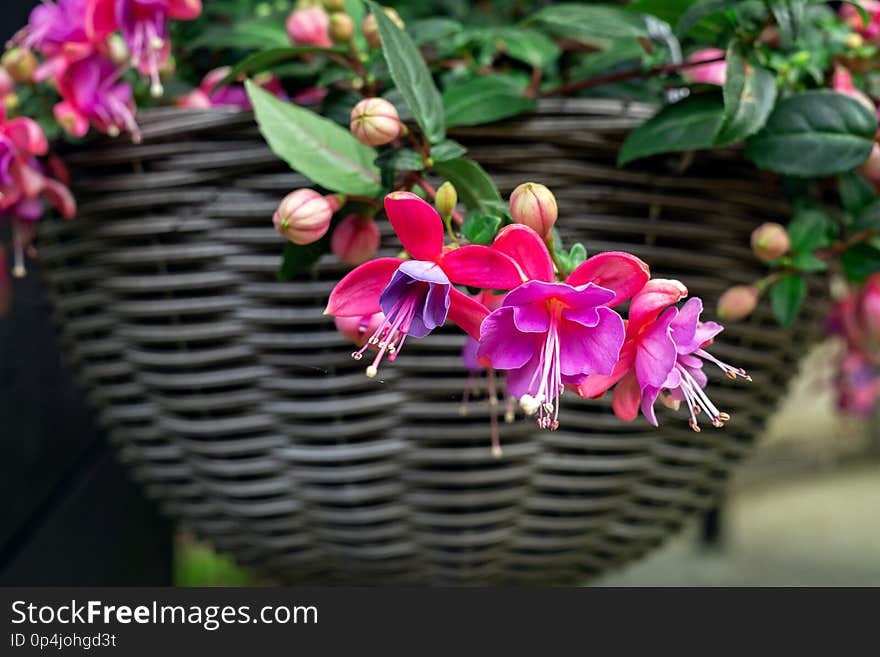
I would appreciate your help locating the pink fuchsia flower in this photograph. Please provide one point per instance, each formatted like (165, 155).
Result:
(549, 334)
(857, 318)
(93, 95)
(309, 27)
(144, 26)
(60, 31)
(857, 385)
(853, 18)
(713, 72)
(421, 232)
(209, 94)
(355, 240)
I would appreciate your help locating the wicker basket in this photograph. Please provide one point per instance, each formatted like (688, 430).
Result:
(239, 408)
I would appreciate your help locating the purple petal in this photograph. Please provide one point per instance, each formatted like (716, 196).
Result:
(469, 355)
(591, 350)
(684, 326)
(649, 396)
(706, 331)
(656, 353)
(422, 270)
(505, 346)
(532, 317)
(519, 381)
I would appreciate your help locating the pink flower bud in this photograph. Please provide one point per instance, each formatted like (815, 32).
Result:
(20, 63)
(374, 122)
(371, 31)
(711, 73)
(770, 242)
(738, 302)
(842, 82)
(533, 205)
(355, 240)
(308, 27)
(341, 28)
(304, 216)
(359, 329)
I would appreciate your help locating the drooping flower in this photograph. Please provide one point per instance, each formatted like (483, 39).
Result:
(209, 94)
(664, 350)
(421, 231)
(853, 18)
(359, 329)
(550, 334)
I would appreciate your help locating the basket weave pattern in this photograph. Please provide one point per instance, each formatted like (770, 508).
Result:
(238, 406)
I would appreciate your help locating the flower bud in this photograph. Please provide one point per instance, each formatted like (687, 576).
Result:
(870, 168)
(533, 205)
(304, 216)
(355, 240)
(359, 329)
(371, 31)
(738, 302)
(334, 5)
(20, 63)
(713, 72)
(854, 41)
(341, 28)
(842, 82)
(446, 199)
(770, 242)
(308, 27)
(374, 122)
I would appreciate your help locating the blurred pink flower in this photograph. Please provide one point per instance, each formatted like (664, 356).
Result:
(713, 72)
(853, 18)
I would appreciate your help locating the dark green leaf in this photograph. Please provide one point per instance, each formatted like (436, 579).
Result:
(433, 30)
(592, 24)
(749, 95)
(786, 298)
(298, 259)
(860, 261)
(856, 193)
(483, 100)
(447, 150)
(497, 206)
(810, 229)
(244, 35)
(401, 159)
(789, 15)
(411, 75)
(480, 228)
(698, 11)
(315, 146)
(815, 133)
(868, 218)
(472, 183)
(687, 125)
(528, 46)
(268, 59)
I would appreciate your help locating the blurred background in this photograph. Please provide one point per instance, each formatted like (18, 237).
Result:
(802, 511)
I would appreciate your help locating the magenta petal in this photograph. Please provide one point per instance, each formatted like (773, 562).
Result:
(657, 294)
(527, 248)
(480, 266)
(520, 381)
(532, 318)
(684, 326)
(623, 273)
(649, 396)
(656, 352)
(357, 294)
(416, 223)
(505, 347)
(705, 332)
(591, 350)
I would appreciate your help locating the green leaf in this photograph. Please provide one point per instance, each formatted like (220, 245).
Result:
(244, 35)
(298, 259)
(786, 298)
(433, 30)
(868, 218)
(574, 258)
(698, 11)
(267, 59)
(318, 148)
(815, 133)
(856, 193)
(592, 24)
(687, 125)
(480, 228)
(860, 261)
(749, 95)
(447, 150)
(471, 182)
(483, 100)
(411, 75)
(401, 159)
(810, 229)
(789, 15)
(528, 46)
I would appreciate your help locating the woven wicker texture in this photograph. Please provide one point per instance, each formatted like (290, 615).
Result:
(239, 408)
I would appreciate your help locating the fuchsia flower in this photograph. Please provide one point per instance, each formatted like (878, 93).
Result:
(713, 72)
(664, 350)
(854, 19)
(208, 94)
(417, 295)
(549, 334)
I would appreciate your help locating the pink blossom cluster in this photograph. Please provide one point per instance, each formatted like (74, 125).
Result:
(87, 46)
(547, 332)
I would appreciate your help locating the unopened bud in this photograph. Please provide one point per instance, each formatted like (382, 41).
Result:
(334, 5)
(371, 31)
(20, 64)
(308, 27)
(533, 205)
(359, 329)
(374, 122)
(117, 49)
(853, 41)
(446, 199)
(341, 28)
(770, 242)
(355, 240)
(303, 216)
(738, 302)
